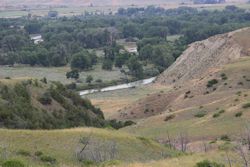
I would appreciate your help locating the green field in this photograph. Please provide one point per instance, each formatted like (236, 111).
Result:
(57, 73)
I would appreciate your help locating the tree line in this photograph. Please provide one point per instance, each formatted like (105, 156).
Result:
(74, 40)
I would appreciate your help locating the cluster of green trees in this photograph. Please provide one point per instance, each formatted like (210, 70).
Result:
(18, 111)
(67, 40)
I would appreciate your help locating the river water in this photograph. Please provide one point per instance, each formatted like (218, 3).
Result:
(118, 87)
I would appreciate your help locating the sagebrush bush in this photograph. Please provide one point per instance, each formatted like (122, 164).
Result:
(221, 111)
(47, 158)
(200, 114)
(212, 82)
(216, 115)
(13, 163)
(225, 138)
(247, 105)
(38, 153)
(238, 114)
(207, 163)
(169, 117)
(223, 76)
(23, 153)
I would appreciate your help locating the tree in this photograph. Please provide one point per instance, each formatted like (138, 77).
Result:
(121, 59)
(135, 67)
(107, 64)
(33, 28)
(161, 56)
(59, 55)
(89, 79)
(146, 52)
(73, 74)
(82, 60)
(130, 30)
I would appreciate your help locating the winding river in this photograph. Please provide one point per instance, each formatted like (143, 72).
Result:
(118, 87)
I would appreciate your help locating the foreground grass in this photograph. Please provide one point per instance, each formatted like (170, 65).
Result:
(62, 145)
(190, 160)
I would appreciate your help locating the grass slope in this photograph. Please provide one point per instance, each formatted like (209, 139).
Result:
(62, 145)
(230, 95)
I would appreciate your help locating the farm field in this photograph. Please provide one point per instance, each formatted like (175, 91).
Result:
(72, 11)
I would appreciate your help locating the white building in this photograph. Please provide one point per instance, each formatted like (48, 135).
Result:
(37, 38)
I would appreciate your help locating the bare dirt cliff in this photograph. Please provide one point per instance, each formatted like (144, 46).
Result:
(204, 56)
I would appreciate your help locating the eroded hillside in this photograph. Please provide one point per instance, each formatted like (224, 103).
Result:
(207, 56)
(207, 100)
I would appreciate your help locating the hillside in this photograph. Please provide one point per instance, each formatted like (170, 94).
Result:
(33, 104)
(204, 57)
(63, 147)
(208, 101)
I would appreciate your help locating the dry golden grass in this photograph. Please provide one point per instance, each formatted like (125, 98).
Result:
(187, 161)
(62, 144)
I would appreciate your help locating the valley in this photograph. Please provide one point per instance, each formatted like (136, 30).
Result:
(145, 87)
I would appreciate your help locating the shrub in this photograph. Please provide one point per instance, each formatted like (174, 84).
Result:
(216, 115)
(221, 111)
(74, 74)
(169, 117)
(212, 83)
(129, 123)
(45, 99)
(146, 110)
(89, 79)
(247, 105)
(207, 163)
(200, 114)
(240, 83)
(46, 158)
(88, 163)
(98, 81)
(13, 163)
(225, 138)
(223, 76)
(238, 114)
(23, 153)
(44, 80)
(119, 124)
(38, 153)
(238, 93)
